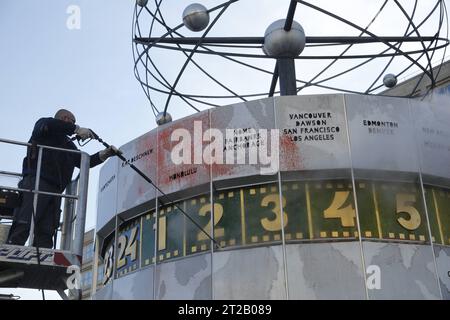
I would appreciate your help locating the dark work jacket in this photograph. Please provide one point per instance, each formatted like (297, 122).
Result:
(57, 166)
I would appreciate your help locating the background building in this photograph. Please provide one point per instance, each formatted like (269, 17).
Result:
(419, 85)
(87, 265)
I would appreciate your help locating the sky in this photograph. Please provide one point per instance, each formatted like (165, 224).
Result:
(47, 61)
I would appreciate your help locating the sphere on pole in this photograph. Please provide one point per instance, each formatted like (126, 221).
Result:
(196, 17)
(281, 43)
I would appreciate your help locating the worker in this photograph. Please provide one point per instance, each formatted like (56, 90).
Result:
(55, 174)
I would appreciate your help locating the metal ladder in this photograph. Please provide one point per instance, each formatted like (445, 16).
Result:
(57, 269)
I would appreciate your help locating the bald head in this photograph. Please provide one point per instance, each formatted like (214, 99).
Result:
(65, 115)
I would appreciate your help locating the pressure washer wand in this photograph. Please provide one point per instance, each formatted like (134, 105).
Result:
(146, 178)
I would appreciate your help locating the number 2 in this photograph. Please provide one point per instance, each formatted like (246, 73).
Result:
(218, 213)
(127, 247)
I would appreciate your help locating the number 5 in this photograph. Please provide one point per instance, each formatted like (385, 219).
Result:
(404, 201)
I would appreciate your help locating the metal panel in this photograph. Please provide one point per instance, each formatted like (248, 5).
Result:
(432, 123)
(261, 214)
(188, 278)
(438, 208)
(381, 133)
(148, 239)
(407, 271)
(313, 132)
(170, 236)
(177, 235)
(323, 209)
(229, 220)
(199, 210)
(107, 192)
(104, 293)
(242, 121)
(392, 210)
(135, 286)
(173, 177)
(133, 190)
(443, 266)
(107, 258)
(255, 273)
(325, 271)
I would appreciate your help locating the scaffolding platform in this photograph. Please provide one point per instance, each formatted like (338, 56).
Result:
(56, 269)
(19, 267)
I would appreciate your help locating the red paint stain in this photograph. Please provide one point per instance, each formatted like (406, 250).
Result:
(222, 170)
(166, 168)
(290, 156)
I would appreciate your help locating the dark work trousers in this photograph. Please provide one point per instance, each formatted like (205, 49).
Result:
(47, 215)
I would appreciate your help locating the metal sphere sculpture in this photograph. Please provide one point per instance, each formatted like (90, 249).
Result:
(196, 17)
(142, 3)
(281, 43)
(163, 118)
(390, 80)
(189, 55)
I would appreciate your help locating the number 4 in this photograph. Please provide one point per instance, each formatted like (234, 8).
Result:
(127, 247)
(347, 214)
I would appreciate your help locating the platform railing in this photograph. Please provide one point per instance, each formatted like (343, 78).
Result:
(73, 224)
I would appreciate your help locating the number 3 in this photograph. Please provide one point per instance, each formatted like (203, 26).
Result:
(274, 225)
(109, 260)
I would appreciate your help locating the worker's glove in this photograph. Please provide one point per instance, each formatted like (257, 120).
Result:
(83, 133)
(108, 152)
